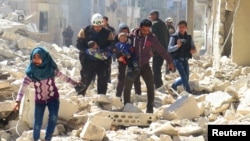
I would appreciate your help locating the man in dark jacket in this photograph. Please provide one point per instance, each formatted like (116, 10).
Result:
(161, 32)
(104, 38)
(122, 67)
(170, 25)
(143, 42)
(112, 29)
(67, 36)
(181, 47)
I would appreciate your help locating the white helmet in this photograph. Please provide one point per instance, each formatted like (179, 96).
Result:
(169, 19)
(96, 19)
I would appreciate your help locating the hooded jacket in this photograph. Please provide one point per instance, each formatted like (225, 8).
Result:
(144, 45)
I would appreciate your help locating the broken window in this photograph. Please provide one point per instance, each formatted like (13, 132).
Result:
(43, 21)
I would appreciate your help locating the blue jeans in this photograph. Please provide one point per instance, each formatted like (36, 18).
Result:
(53, 107)
(183, 68)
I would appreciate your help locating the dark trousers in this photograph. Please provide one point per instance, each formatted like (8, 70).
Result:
(157, 64)
(121, 78)
(90, 70)
(147, 75)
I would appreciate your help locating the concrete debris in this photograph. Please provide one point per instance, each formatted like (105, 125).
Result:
(185, 107)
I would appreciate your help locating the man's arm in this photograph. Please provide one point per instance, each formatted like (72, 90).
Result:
(172, 47)
(81, 42)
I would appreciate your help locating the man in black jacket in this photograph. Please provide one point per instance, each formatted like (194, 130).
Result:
(161, 32)
(181, 47)
(91, 66)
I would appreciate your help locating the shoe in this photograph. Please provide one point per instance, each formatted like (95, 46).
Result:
(80, 89)
(150, 110)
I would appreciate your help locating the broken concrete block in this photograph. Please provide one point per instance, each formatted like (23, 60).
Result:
(153, 138)
(7, 105)
(92, 132)
(101, 121)
(236, 73)
(166, 128)
(185, 107)
(245, 70)
(243, 107)
(116, 102)
(103, 99)
(18, 127)
(230, 115)
(165, 138)
(4, 85)
(4, 136)
(67, 108)
(168, 99)
(219, 101)
(25, 43)
(221, 86)
(239, 83)
(190, 130)
(194, 76)
(233, 92)
(130, 108)
(28, 135)
(60, 128)
(142, 105)
(129, 119)
(26, 111)
(106, 106)
(190, 138)
(76, 133)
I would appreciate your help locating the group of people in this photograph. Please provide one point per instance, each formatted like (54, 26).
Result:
(97, 44)
(133, 50)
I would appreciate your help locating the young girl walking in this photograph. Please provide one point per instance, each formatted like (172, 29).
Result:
(42, 71)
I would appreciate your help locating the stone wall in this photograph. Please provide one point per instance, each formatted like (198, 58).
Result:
(240, 38)
(228, 30)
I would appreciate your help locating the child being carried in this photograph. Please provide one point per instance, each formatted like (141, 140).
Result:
(95, 51)
(125, 47)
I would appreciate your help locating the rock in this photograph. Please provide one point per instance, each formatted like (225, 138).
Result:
(165, 138)
(219, 101)
(190, 130)
(67, 109)
(190, 138)
(103, 99)
(184, 107)
(7, 105)
(221, 86)
(92, 132)
(131, 108)
(101, 121)
(166, 128)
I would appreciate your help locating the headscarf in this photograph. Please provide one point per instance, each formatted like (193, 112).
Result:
(44, 70)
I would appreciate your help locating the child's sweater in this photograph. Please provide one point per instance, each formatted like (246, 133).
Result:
(45, 90)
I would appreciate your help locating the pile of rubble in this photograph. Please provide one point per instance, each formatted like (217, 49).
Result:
(222, 98)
